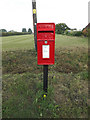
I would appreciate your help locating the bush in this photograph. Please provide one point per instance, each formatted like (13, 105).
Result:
(73, 33)
(77, 33)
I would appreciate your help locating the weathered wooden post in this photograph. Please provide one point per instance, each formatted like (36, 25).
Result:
(34, 22)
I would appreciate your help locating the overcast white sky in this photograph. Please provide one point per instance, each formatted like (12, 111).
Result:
(17, 14)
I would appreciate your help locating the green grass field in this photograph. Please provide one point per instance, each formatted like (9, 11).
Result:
(26, 42)
(23, 79)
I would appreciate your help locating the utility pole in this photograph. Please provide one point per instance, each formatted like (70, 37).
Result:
(34, 22)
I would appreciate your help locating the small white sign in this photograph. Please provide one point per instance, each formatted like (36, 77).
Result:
(45, 51)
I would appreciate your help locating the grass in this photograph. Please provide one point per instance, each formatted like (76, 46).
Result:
(70, 41)
(19, 42)
(26, 42)
(23, 80)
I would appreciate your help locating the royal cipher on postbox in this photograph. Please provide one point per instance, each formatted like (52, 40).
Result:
(45, 43)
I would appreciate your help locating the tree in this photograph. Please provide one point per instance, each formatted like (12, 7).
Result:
(61, 27)
(3, 30)
(24, 30)
(30, 31)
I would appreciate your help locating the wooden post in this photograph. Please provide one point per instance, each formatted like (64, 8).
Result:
(34, 22)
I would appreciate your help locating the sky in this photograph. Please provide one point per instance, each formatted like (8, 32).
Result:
(17, 14)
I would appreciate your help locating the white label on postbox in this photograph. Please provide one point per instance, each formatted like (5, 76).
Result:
(45, 51)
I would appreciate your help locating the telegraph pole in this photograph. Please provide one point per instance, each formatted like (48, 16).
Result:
(34, 22)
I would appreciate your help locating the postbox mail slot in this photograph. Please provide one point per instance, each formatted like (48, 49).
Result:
(45, 35)
(45, 31)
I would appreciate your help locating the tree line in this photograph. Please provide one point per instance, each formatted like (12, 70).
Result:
(4, 32)
(61, 28)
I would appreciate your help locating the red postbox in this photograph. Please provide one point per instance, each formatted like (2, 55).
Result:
(45, 43)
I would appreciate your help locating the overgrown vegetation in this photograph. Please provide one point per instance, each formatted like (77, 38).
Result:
(73, 33)
(23, 85)
(67, 61)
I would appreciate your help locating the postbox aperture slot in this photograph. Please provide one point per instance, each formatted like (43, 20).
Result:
(45, 31)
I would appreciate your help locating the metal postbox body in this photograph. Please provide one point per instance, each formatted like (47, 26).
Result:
(45, 43)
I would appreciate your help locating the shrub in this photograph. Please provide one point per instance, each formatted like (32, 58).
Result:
(73, 33)
(77, 33)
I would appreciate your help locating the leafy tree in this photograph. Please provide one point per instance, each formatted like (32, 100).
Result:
(61, 27)
(24, 30)
(3, 30)
(30, 31)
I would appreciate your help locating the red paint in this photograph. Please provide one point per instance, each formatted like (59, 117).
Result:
(45, 32)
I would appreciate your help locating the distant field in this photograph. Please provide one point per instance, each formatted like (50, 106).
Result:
(18, 42)
(21, 42)
(23, 79)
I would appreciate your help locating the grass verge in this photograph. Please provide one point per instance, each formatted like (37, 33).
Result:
(68, 85)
